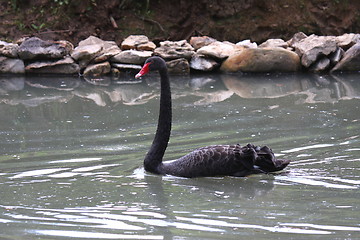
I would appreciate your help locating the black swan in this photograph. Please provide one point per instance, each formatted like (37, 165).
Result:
(216, 160)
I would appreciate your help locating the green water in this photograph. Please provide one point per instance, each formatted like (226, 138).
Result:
(71, 158)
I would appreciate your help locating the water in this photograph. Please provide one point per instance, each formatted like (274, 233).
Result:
(71, 155)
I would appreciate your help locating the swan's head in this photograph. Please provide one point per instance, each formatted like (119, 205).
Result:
(151, 64)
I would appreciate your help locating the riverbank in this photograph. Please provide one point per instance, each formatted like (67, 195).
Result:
(94, 57)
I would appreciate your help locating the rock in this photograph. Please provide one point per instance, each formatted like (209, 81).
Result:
(218, 50)
(94, 49)
(247, 43)
(296, 38)
(115, 72)
(271, 43)
(173, 50)
(139, 42)
(336, 56)
(313, 47)
(321, 65)
(11, 65)
(178, 66)
(126, 66)
(347, 40)
(350, 60)
(149, 46)
(69, 47)
(262, 60)
(85, 54)
(98, 69)
(131, 57)
(199, 42)
(62, 66)
(202, 63)
(9, 49)
(35, 48)
(109, 49)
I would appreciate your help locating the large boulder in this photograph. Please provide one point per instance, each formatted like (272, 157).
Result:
(350, 60)
(262, 60)
(131, 57)
(218, 50)
(9, 49)
(11, 65)
(63, 66)
(138, 42)
(35, 48)
(173, 50)
(310, 49)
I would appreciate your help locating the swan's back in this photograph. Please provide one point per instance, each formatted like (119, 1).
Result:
(223, 160)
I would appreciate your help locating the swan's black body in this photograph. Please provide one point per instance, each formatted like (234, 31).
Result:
(217, 160)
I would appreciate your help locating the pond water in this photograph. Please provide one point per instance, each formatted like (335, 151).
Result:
(71, 156)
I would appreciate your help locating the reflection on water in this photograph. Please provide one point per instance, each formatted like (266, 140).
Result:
(316, 88)
(71, 154)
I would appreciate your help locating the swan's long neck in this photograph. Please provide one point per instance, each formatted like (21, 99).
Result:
(153, 158)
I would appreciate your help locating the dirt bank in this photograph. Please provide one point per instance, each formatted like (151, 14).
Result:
(231, 20)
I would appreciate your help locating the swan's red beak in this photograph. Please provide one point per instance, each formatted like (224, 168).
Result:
(144, 70)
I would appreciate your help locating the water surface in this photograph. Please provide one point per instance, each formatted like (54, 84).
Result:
(71, 153)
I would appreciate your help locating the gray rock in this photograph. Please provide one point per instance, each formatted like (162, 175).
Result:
(218, 50)
(86, 53)
(199, 42)
(347, 40)
(336, 56)
(62, 66)
(296, 38)
(174, 50)
(202, 63)
(350, 60)
(271, 43)
(11, 65)
(131, 57)
(98, 69)
(133, 41)
(94, 49)
(178, 66)
(313, 47)
(149, 46)
(35, 48)
(109, 49)
(247, 43)
(9, 49)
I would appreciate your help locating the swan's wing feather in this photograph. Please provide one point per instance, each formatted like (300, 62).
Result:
(215, 160)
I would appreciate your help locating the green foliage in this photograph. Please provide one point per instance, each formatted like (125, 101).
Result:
(14, 4)
(38, 27)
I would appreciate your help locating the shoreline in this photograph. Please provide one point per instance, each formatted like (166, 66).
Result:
(94, 57)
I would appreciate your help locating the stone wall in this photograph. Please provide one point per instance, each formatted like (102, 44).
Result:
(94, 57)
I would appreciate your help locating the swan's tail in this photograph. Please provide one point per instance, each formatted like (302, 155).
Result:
(266, 160)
